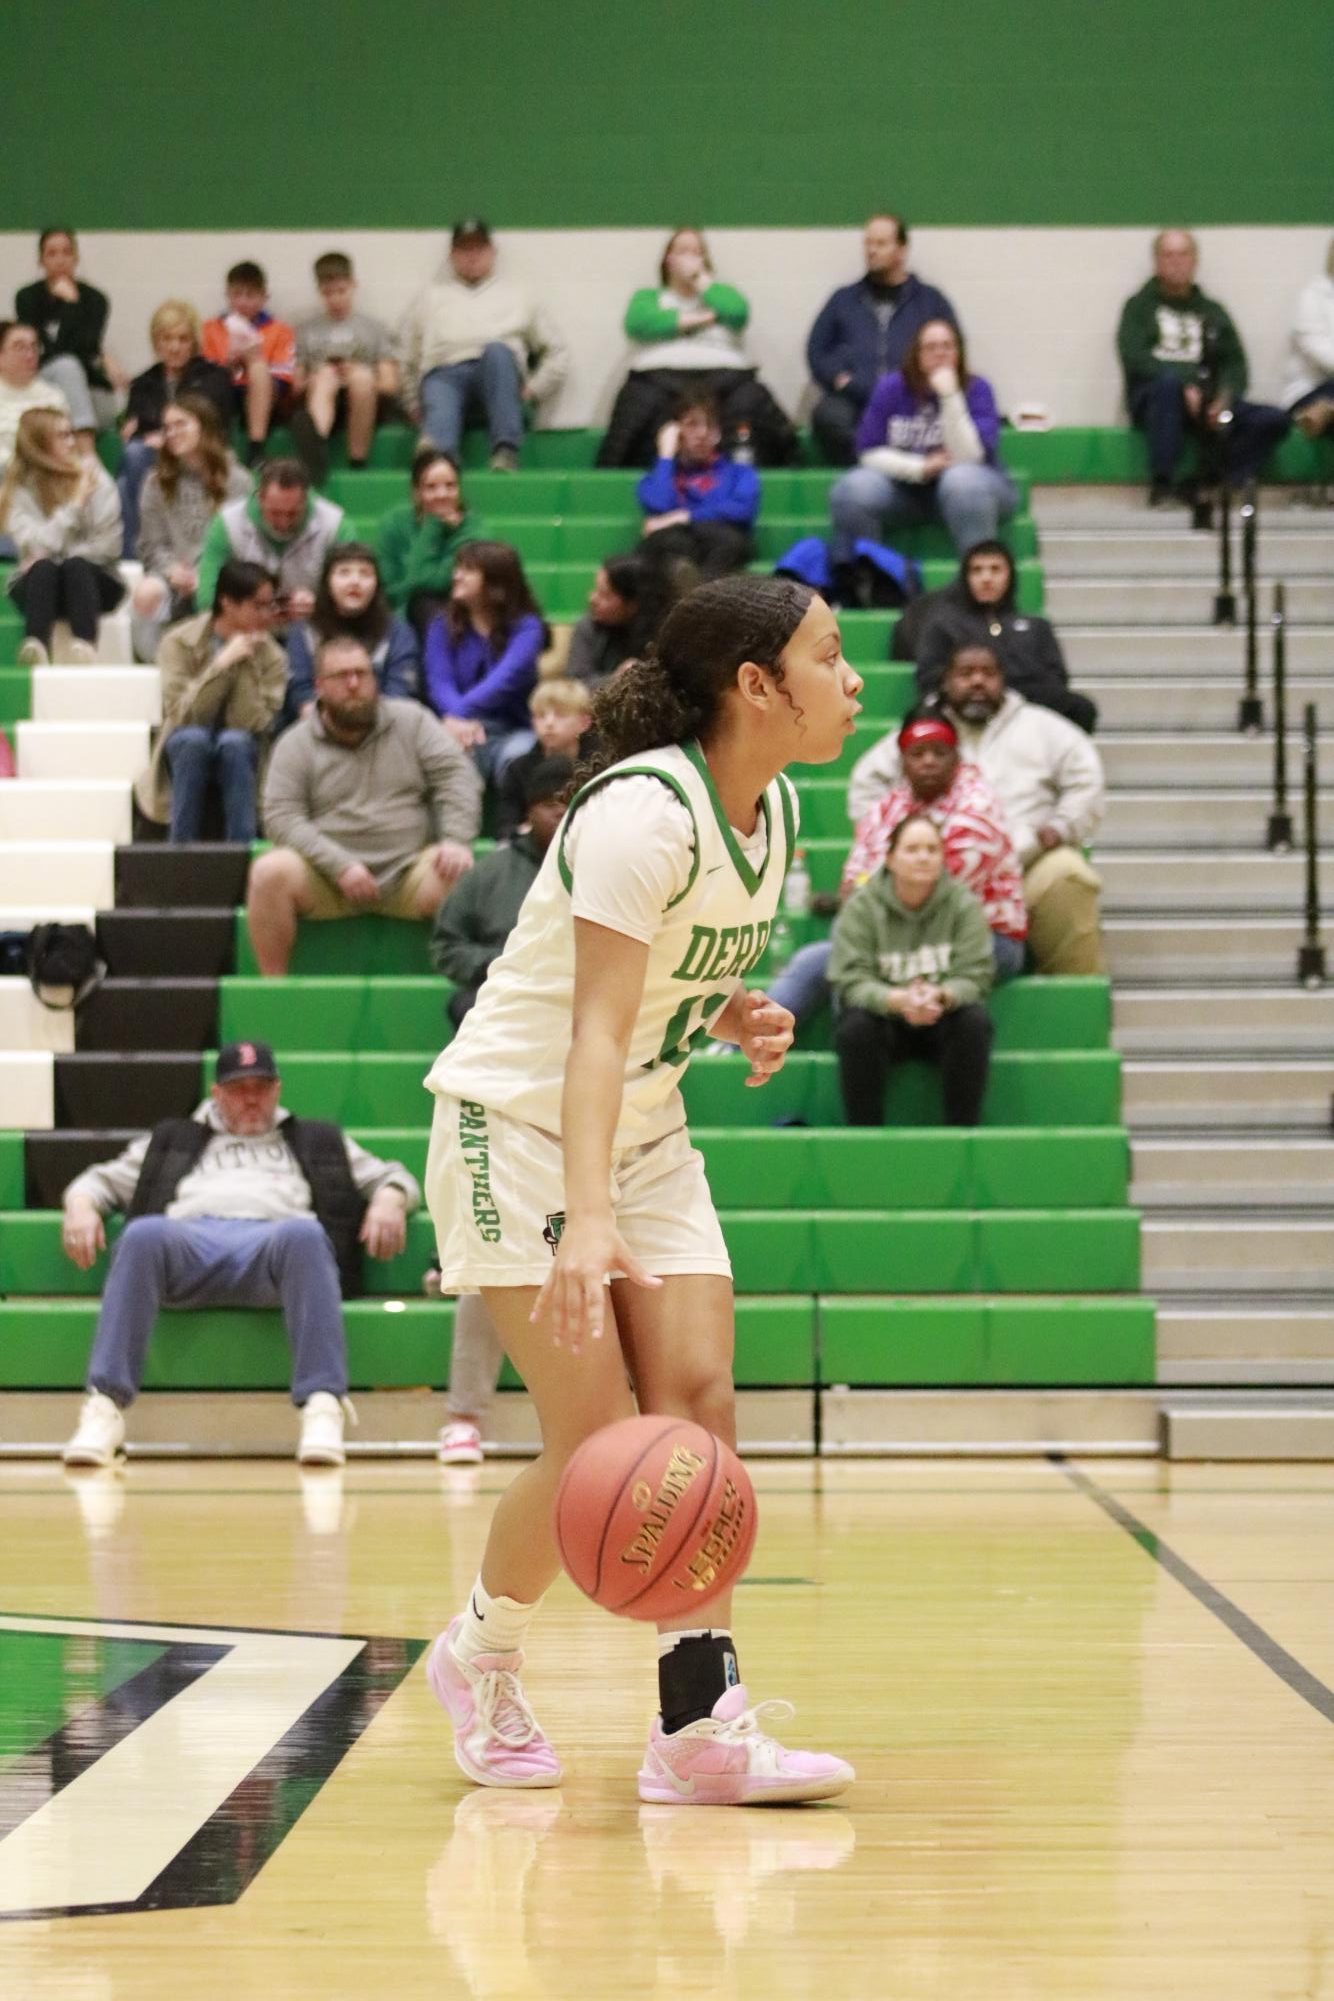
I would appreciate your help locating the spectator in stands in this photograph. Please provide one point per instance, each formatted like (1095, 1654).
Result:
(562, 716)
(223, 678)
(21, 388)
(371, 804)
(699, 507)
(71, 322)
(1049, 780)
(1310, 391)
(864, 331)
(626, 605)
(60, 510)
(257, 349)
(195, 475)
(927, 444)
(239, 1205)
(687, 332)
(419, 540)
(351, 600)
(282, 526)
(1185, 371)
(912, 967)
(979, 608)
(180, 370)
(477, 340)
(345, 368)
(482, 653)
(472, 925)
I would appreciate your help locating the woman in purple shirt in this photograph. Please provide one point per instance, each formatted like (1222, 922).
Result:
(481, 656)
(927, 446)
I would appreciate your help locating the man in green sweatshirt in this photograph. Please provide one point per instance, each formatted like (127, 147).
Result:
(284, 528)
(911, 968)
(1185, 370)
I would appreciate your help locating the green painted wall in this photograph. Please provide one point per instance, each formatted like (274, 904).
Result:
(140, 114)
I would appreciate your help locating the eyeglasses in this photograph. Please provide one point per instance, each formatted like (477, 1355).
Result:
(336, 674)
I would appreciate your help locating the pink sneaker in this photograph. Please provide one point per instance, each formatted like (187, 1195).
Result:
(497, 1741)
(726, 1760)
(460, 1444)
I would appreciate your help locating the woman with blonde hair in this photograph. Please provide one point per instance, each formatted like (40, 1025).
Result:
(194, 475)
(686, 332)
(180, 370)
(60, 510)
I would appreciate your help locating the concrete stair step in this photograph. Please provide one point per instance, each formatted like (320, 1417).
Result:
(1183, 704)
(1204, 1340)
(53, 809)
(81, 750)
(1198, 884)
(1250, 1424)
(27, 1085)
(1213, 651)
(1250, 1174)
(1162, 816)
(1233, 1021)
(1173, 950)
(1186, 599)
(1205, 760)
(1264, 1257)
(61, 871)
(1237, 1095)
(82, 694)
(1173, 550)
(1117, 507)
(26, 1025)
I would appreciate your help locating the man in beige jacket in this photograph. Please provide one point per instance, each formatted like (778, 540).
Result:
(477, 339)
(223, 681)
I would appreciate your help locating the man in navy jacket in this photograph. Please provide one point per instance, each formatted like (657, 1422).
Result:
(864, 331)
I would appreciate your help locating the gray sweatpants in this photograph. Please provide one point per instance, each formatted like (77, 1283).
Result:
(475, 1361)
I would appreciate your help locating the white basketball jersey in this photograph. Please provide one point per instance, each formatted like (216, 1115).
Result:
(510, 1053)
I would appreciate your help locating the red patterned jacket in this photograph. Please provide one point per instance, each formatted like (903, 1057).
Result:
(978, 848)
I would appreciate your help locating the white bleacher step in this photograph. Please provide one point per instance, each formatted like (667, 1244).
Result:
(27, 1086)
(1254, 1256)
(1205, 760)
(1277, 1021)
(1249, 1424)
(1161, 950)
(1125, 506)
(1284, 550)
(1237, 1094)
(26, 1025)
(63, 871)
(1251, 1174)
(1132, 600)
(115, 647)
(1165, 816)
(1185, 704)
(1199, 884)
(82, 750)
(1204, 1337)
(52, 809)
(100, 693)
(1210, 651)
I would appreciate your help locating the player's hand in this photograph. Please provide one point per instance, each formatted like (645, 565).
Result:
(574, 1299)
(765, 1035)
(384, 1227)
(82, 1234)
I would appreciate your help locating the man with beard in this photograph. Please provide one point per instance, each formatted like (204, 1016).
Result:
(1049, 780)
(371, 805)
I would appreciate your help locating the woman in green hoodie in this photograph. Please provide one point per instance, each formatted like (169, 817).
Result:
(418, 541)
(911, 967)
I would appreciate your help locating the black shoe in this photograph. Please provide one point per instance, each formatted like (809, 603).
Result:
(1161, 494)
(311, 448)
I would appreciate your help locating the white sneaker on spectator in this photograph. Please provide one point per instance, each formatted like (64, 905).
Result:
(82, 653)
(321, 1442)
(100, 1433)
(32, 653)
(504, 459)
(460, 1444)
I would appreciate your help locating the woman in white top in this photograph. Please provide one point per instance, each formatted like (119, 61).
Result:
(62, 512)
(559, 1152)
(1310, 390)
(687, 333)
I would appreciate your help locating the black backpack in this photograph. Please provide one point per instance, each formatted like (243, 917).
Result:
(63, 966)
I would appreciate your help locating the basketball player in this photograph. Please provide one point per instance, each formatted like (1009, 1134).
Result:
(559, 1155)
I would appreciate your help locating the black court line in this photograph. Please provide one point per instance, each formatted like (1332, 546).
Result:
(1252, 1636)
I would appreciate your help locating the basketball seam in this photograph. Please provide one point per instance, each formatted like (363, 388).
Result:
(653, 1582)
(669, 1425)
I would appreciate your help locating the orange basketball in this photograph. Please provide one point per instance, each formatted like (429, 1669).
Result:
(654, 1517)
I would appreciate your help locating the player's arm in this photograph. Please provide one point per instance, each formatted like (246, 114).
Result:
(609, 970)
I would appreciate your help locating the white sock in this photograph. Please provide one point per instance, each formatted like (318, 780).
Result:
(492, 1625)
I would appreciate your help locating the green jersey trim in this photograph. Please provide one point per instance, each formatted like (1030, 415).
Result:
(750, 881)
(630, 771)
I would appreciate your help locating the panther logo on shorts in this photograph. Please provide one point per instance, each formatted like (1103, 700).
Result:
(554, 1230)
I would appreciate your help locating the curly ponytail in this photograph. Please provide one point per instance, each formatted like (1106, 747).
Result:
(677, 690)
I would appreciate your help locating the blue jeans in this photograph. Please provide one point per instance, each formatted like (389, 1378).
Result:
(1158, 408)
(136, 462)
(493, 380)
(972, 501)
(503, 744)
(803, 984)
(211, 1262)
(192, 754)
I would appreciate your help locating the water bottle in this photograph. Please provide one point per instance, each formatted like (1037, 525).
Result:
(782, 943)
(797, 888)
(743, 451)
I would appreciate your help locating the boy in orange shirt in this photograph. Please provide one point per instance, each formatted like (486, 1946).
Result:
(259, 350)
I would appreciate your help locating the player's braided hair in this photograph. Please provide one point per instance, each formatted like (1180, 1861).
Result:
(677, 690)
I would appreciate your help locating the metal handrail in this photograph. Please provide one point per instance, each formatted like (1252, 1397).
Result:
(1225, 599)
(1311, 952)
(1250, 712)
(1279, 835)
